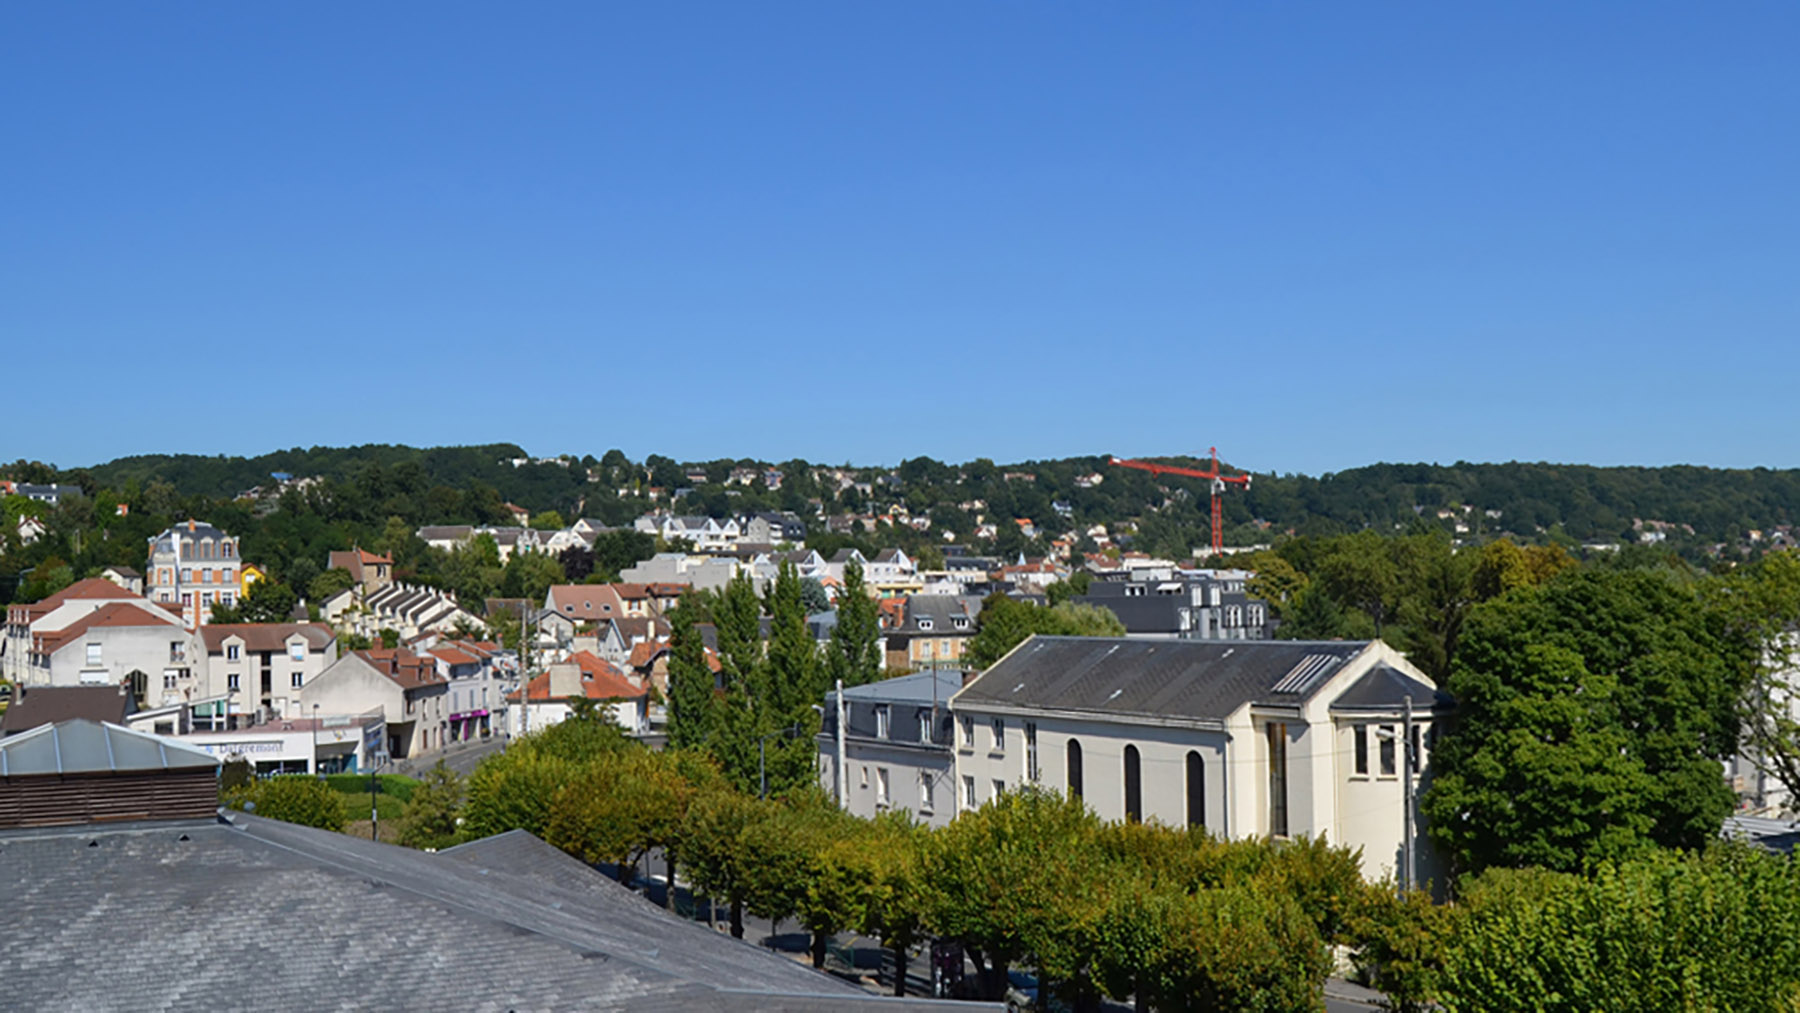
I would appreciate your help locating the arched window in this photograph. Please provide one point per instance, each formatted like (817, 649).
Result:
(1074, 765)
(1196, 789)
(1134, 787)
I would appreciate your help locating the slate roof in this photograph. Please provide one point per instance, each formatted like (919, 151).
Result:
(46, 705)
(188, 915)
(1386, 688)
(1193, 679)
(266, 636)
(914, 688)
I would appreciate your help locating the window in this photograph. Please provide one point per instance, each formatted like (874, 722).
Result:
(205, 599)
(999, 788)
(943, 648)
(999, 735)
(225, 575)
(1134, 786)
(228, 548)
(1361, 749)
(1386, 735)
(168, 680)
(1196, 789)
(881, 786)
(1278, 800)
(205, 576)
(187, 575)
(187, 600)
(233, 652)
(924, 624)
(924, 724)
(297, 651)
(960, 623)
(882, 725)
(231, 681)
(925, 800)
(226, 597)
(177, 651)
(923, 647)
(93, 654)
(298, 677)
(1074, 768)
(1031, 756)
(1413, 757)
(968, 736)
(968, 791)
(865, 775)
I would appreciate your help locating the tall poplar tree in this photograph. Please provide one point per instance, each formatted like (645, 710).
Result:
(854, 653)
(691, 680)
(792, 683)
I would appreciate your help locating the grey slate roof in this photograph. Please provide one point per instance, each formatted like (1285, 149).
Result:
(46, 705)
(272, 916)
(82, 747)
(1195, 679)
(915, 688)
(1386, 688)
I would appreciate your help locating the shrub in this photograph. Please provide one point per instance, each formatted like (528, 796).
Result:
(296, 798)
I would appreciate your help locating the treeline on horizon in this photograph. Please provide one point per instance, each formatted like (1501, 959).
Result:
(1534, 500)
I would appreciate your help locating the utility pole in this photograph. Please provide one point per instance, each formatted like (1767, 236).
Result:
(1408, 874)
(842, 784)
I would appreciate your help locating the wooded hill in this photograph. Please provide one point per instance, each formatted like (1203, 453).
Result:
(1527, 501)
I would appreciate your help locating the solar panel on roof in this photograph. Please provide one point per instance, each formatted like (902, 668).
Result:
(1302, 676)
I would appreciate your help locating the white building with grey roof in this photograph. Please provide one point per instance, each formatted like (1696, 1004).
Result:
(1247, 739)
(896, 747)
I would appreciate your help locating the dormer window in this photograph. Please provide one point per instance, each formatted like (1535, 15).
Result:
(882, 722)
(924, 624)
(960, 623)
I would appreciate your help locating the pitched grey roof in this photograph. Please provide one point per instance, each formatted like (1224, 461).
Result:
(1195, 679)
(915, 688)
(506, 924)
(46, 705)
(1385, 688)
(943, 610)
(84, 747)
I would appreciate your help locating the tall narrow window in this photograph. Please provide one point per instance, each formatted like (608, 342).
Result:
(881, 721)
(1387, 736)
(1361, 749)
(1074, 766)
(1413, 758)
(1134, 787)
(1031, 756)
(1278, 781)
(1196, 789)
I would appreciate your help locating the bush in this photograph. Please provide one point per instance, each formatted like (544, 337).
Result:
(397, 785)
(1712, 932)
(432, 814)
(295, 798)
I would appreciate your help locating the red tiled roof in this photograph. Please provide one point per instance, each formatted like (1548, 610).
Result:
(452, 656)
(116, 613)
(403, 666)
(645, 653)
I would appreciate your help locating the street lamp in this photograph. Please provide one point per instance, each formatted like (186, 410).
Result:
(315, 744)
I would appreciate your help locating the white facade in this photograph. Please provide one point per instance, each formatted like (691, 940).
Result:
(1260, 771)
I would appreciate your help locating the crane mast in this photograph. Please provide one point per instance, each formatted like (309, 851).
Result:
(1218, 482)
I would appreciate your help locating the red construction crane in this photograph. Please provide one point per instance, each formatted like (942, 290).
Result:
(1218, 486)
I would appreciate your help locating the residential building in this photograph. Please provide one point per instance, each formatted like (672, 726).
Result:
(51, 494)
(891, 573)
(125, 577)
(897, 752)
(929, 630)
(446, 536)
(774, 528)
(583, 677)
(96, 633)
(410, 610)
(194, 565)
(1184, 607)
(371, 572)
(702, 573)
(478, 674)
(407, 689)
(1248, 739)
(262, 667)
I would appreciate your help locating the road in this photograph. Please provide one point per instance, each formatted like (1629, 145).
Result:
(460, 757)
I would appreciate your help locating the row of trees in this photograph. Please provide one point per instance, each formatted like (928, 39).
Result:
(751, 702)
(1180, 919)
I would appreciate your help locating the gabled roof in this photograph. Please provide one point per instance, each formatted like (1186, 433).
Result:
(1386, 688)
(111, 614)
(84, 747)
(266, 636)
(1190, 679)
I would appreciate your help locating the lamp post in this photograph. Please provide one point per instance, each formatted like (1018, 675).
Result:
(374, 811)
(315, 744)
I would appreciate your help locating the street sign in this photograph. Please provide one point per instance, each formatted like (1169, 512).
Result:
(374, 738)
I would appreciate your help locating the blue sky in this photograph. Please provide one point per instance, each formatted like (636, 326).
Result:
(1316, 235)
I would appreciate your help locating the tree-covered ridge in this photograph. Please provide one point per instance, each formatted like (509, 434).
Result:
(1525, 500)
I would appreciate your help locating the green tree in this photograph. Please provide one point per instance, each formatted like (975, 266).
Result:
(267, 601)
(549, 520)
(529, 575)
(433, 812)
(1593, 717)
(710, 843)
(783, 698)
(1005, 622)
(329, 583)
(691, 680)
(853, 653)
(292, 799)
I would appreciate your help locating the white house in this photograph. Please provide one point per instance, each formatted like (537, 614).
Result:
(583, 676)
(897, 752)
(1247, 738)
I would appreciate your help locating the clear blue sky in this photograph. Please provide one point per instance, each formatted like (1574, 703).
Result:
(1317, 235)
